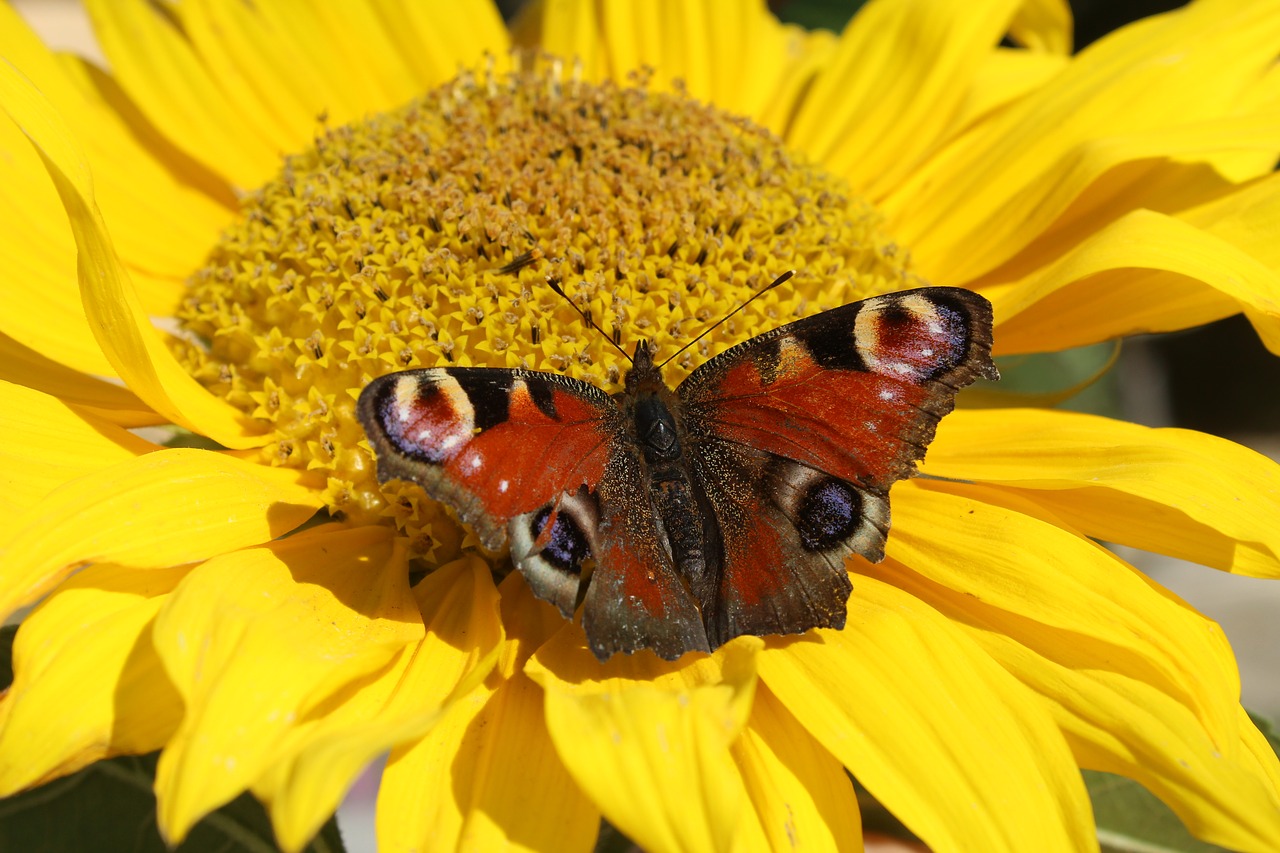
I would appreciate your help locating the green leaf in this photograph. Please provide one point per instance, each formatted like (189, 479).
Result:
(1132, 820)
(1080, 380)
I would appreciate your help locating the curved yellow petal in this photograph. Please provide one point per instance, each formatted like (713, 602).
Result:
(1011, 554)
(899, 74)
(1172, 491)
(90, 641)
(142, 180)
(47, 443)
(1115, 716)
(1246, 218)
(116, 317)
(319, 757)
(1146, 272)
(488, 776)
(656, 757)
(1223, 791)
(39, 301)
(161, 509)
(140, 183)
(168, 81)
(120, 406)
(1165, 86)
(1044, 26)
(958, 750)
(800, 793)
(259, 639)
(1140, 683)
(1258, 748)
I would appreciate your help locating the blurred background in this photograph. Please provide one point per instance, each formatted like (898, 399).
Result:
(1218, 379)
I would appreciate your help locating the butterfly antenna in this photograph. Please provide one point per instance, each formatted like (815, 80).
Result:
(586, 315)
(761, 292)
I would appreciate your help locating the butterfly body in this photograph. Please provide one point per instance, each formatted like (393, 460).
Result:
(681, 518)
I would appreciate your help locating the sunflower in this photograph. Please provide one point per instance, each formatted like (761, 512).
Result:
(211, 248)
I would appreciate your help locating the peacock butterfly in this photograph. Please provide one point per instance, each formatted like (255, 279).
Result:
(680, 519)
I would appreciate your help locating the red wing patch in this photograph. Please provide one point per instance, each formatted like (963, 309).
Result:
(493, 443)
(856, 391)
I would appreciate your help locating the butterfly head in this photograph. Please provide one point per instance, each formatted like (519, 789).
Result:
(643, 371)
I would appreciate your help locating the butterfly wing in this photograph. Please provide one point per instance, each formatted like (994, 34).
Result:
(796, 436)
(544, 461)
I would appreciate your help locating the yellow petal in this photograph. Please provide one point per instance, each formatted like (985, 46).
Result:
(39, 300)
(1116, 717)
(1165, 86)
(488, 776)
(87, 681)
(1010, 554)
(699, 44)
(258, 74)
(1043, 26)
(47, 443)
(569, 29)
(319, 757)
(1176, 492)
(161, 509)
(880, 105)
(1146, 272)
(806, 54)
(122, 329)
(655, 754)
(958, 750)
(1246, 218)
(800, 793)
(365, 54)
(1003, 77)
(438, 37)
(110, 402)
(140, 185)
(257, 639)
(165, 77)
(1259, 749)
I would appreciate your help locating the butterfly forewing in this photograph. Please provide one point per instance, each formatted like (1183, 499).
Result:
(797, 435)
(494, 444)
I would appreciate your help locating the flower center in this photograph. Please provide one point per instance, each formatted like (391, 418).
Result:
(427, 236)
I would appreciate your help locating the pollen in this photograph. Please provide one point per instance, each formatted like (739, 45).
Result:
(436, 234)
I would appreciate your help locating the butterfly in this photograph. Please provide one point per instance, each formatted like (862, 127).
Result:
(680, 519)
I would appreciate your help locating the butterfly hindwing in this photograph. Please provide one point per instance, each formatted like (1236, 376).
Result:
(637, 598)
(781, 569)
(796, 436)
